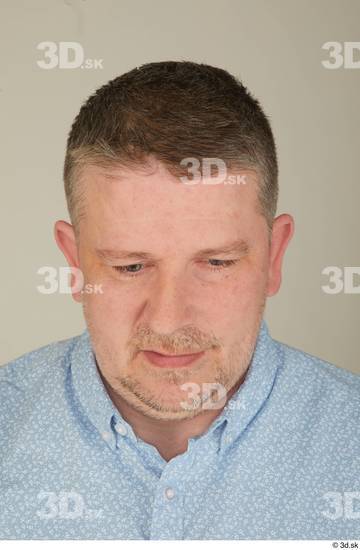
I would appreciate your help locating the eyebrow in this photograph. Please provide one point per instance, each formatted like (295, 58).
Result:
(239, 246)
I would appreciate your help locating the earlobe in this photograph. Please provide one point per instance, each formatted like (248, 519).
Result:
(282, 232)
(65, 238)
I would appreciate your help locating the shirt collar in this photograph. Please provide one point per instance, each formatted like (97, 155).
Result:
(254, 392)
(237, 414)
(90, 390)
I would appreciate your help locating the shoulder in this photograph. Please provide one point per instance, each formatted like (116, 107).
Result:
(313, 381)
(26, 374)
(301, 363)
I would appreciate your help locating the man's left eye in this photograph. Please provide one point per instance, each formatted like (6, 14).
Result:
(221, 263)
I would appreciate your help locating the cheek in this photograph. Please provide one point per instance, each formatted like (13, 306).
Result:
(113, 305)
(112, 299)
(238, 305)
(218, 305)
(245, 290)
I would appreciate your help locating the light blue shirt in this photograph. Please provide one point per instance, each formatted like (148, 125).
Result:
(280, 462)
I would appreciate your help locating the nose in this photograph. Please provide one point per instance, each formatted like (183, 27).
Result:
(170, 304)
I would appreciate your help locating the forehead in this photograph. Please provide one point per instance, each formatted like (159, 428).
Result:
(153, 211)
(138, 195)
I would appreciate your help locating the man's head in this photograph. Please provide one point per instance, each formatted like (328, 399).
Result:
(183, 265)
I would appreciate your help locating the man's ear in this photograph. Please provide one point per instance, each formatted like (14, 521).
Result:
(65, 238)
(282, 231)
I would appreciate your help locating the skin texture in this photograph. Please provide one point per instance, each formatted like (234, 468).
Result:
(177, 300)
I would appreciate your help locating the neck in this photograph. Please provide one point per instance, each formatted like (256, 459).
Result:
(170, 437)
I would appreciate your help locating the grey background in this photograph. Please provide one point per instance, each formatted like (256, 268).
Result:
(275, 47)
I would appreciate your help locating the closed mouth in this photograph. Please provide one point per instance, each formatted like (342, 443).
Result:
(163, 360)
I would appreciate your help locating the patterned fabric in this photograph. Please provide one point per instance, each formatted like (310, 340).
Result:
(281, 461)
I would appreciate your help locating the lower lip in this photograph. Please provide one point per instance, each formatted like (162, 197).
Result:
(171, 360)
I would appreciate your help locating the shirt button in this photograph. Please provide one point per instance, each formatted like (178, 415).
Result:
(121, 429)
(169, 493)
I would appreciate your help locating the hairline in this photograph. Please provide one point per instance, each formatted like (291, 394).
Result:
(75, 185)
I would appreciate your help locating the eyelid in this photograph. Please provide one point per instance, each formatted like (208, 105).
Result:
(122, 269)
(221, 267)
(224, 260)
(225, 263)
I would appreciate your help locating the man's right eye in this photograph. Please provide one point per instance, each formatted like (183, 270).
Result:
(131, 269)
